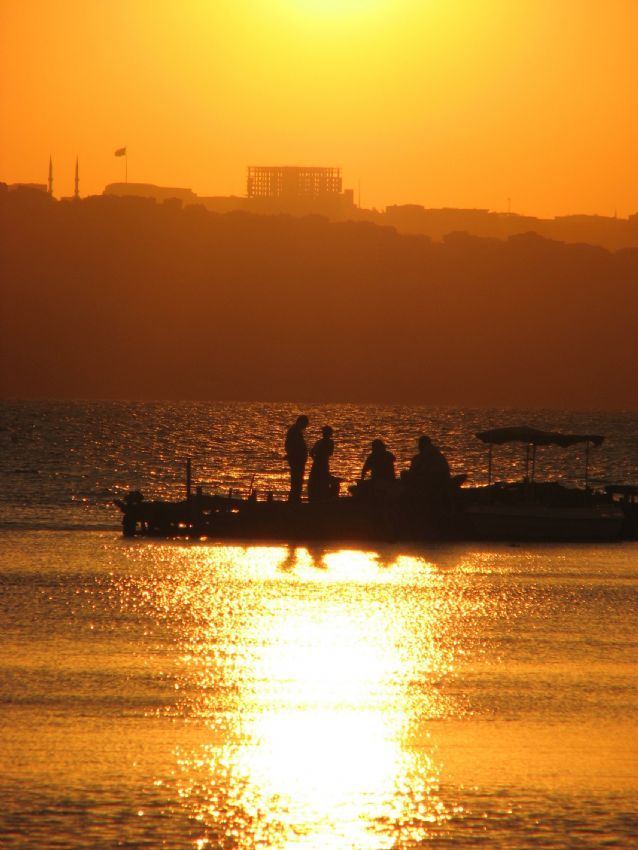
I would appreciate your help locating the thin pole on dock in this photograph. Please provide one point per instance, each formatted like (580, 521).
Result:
(188, 478)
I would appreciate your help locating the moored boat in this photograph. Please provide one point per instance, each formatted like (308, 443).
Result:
(533, 511)
(524, 511)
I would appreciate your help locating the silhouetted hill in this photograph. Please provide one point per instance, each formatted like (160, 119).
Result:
(122, 297)
(411, 219)
(608, 232)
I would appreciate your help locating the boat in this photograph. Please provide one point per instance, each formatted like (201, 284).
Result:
(223, 517)
(540, 511)
(525, 511)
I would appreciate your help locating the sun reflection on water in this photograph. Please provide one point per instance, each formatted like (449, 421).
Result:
(309, 678)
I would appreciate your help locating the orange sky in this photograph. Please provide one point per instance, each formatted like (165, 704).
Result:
(437, 102)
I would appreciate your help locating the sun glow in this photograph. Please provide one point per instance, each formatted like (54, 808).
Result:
(434, 103)
(338, 7)
(318, 756)
(308, 682)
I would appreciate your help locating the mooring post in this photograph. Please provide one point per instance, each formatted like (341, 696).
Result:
(188, 479)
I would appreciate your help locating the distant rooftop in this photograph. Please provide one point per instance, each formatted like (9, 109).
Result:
(38, 187)
(149, 190)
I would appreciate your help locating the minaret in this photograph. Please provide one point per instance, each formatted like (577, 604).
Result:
(50, 176)
(76, 194)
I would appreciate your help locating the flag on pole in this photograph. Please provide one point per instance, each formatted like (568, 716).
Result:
(120, 152)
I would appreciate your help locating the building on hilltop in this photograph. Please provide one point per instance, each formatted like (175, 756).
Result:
(278, 190)
(287, 181)
(35, 187)
(149, 190)
(298, 190)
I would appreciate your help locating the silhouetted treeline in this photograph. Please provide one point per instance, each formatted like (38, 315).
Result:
(606, 231)
(110, 297)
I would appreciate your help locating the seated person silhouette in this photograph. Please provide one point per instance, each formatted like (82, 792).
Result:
(429, 465)
(428, 479)
(380, 465)
(320, 481)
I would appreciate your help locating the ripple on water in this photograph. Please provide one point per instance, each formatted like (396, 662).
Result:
(272, 697)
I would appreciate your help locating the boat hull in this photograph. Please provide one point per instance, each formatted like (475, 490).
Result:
(542, 523)
(351, 519)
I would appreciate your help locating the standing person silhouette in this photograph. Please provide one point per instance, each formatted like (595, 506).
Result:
(296, 455)
(320, 480)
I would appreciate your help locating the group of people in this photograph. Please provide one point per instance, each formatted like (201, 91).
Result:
(428, 475)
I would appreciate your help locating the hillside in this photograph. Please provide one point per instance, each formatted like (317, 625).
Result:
(114, 297)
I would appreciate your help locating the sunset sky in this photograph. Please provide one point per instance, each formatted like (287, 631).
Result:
(439, 102)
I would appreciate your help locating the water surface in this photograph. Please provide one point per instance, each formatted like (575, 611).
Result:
(169, 695)
(221, 695)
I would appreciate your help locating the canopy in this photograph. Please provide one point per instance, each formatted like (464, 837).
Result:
(524, 434)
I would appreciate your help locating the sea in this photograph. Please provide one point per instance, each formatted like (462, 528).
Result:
(233, 695)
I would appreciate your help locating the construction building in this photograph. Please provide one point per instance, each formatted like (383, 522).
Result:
(287, 181)
(271, 190)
